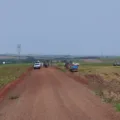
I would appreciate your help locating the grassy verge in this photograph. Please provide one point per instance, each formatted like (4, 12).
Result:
(104, 79)
(106, 72)
(61, 66)
(117, 106)
(10, 72)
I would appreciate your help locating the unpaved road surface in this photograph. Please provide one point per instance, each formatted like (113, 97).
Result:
(49, 94)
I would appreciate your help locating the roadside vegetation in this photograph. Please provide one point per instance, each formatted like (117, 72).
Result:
(61, 66)
(11, 72)
(103, 78)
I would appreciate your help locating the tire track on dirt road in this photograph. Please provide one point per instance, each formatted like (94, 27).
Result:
(67, 105)
(48, 94)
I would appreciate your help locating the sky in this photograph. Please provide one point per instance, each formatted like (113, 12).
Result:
(74, 27)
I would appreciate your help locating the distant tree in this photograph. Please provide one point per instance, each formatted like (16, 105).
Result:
(30, 59)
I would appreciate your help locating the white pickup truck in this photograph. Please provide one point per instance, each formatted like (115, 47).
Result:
(37, 65)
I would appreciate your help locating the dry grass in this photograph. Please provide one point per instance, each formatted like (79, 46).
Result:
(104, 80)
(106, 72)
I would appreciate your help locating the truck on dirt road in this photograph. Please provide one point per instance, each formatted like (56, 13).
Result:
(73, 67)
(45, 64)
(37, 65)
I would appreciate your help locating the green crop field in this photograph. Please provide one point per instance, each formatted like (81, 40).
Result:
(10, 72)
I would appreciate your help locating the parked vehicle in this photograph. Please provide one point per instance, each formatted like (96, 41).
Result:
(74, 68)
(116, 64)
(67, 65)
(45, 64)
(37, 65)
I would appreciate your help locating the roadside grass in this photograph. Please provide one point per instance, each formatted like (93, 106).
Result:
(104, 69)
(109, 89)
(61, 66)
(96, 64)
(11, 72)
(104, 79)
(117, 106)
(63, 69)
(106, 72)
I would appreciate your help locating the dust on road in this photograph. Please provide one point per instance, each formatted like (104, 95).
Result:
(48, 94)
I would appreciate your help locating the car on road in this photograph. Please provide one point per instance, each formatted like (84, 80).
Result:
(45, 64)
(37, 65)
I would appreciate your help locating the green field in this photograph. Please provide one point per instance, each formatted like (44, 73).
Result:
(10, 72)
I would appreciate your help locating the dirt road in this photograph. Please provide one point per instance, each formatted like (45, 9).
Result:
(48, 94)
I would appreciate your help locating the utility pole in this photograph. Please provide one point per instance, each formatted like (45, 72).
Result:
(19, 51)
